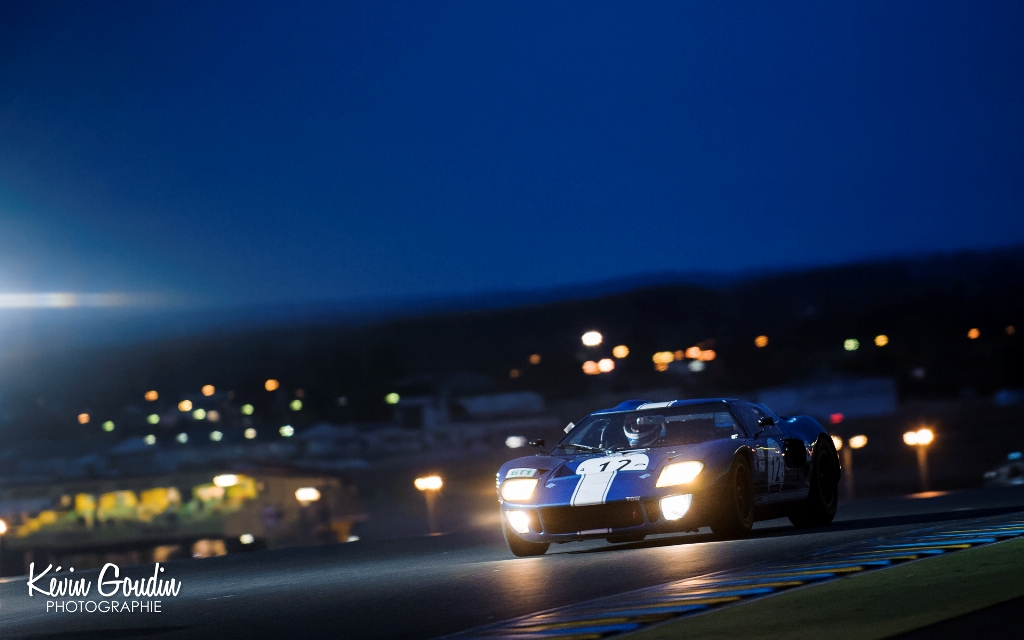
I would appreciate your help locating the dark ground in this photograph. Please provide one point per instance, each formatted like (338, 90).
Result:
(425, 587)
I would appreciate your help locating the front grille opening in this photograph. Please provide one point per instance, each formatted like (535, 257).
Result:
(653, 510)
(615, 515)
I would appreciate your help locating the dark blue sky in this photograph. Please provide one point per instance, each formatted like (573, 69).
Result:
(245, 152)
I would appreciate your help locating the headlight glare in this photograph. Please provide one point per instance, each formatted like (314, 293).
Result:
(518, 520)
(518, 489)
(679, 473)
(675, 507)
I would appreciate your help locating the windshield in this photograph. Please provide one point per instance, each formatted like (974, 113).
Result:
(667, 426)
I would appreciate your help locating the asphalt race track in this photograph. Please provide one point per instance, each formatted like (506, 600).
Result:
(428, 587)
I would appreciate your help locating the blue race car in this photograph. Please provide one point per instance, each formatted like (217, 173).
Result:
(657, 467)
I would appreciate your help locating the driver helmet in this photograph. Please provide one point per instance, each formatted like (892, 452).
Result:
(643, 431)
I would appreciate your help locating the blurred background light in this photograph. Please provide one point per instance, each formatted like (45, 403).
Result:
(592, 338)
(208, 390)
(295, 405)
(514, 373)
(621, 351)
(1010, 330)
(428, 483)
(271, 385)
(851, 344)
(185, 405)
(247, 409)
(535, 358)
(761, 341)
(250, 433)
(392, 398)
(213, 415)
(881, 340)
(216, 436)
(83, 418)
(246, 538)
(225, 480)
(153, 418)
(152, 396)
(858, 442)
(707, 355)
(108, 426)
(515, 442)
(973, 334)
(590, 368)
(182, 437)
(287, 431)
(835, 418)
(696, 366)
(837, 442)
(199, 414)
(604, 365)
(150, 439)
(693, 353)
(305, 495)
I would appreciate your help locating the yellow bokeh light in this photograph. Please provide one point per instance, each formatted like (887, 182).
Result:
(707, 355)
(152, 396)
(663, 357)
(922, 437)
(535, 358)
(693, 353)
(305, 495)
(428, 483)
(858, 442)
(250, 434)
(881, 340)
(973, 334)
(837, 442)
(185, 405)
(620, 351)
(761, 341)
(592, 338)
(83, 418)
(209, 390)
(590, 368)
(271, 385)
(605, 365)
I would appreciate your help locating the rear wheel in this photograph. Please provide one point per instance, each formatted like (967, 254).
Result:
(519, 547)
(820, 506)
(735, 513)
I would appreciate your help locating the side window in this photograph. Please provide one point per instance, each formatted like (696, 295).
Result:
(750, 415)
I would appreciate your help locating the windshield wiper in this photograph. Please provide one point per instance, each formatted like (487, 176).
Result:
(584, 447)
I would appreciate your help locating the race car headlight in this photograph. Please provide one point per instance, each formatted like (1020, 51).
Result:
(675, 507)
(518, 520)
(679, 473)
(518, 489)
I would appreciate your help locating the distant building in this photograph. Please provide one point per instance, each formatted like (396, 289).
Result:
(848, 397)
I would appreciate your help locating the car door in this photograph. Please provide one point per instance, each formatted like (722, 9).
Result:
(794, 453)
(769, 467)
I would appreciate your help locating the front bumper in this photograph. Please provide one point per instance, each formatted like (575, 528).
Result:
(641, 516)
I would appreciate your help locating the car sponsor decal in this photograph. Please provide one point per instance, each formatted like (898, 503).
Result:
(521, 473)
(597, 475)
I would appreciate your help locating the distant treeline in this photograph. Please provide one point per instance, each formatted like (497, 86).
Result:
(924, 306)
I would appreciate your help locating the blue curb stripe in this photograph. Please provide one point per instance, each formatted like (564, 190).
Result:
(695, 595)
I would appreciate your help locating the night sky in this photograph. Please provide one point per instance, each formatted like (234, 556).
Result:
(249, 153)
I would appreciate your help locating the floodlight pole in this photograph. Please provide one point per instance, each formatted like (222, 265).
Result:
(922, 465)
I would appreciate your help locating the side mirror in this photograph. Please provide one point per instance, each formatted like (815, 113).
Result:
(766, 421)
(537, 443)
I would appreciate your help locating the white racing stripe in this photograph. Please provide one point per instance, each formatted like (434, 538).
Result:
(592, 488)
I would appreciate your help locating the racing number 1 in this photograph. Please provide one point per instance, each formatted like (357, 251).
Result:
(625, 463)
